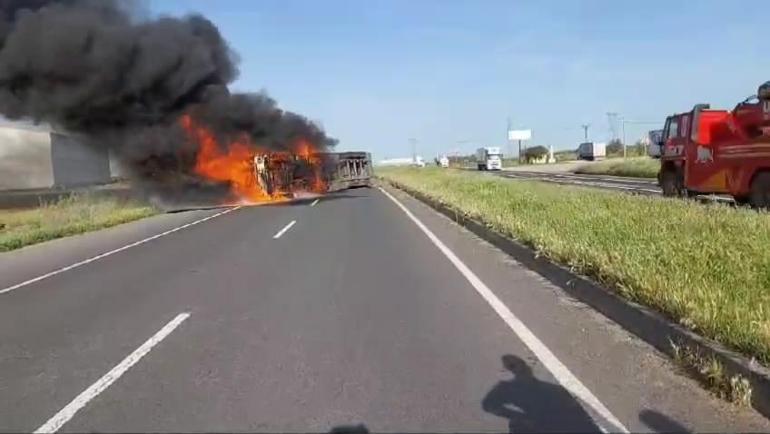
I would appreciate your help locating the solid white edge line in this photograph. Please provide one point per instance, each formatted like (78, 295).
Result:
(66, 413)
(112, 252)
(562, 374)
(315, 202)
(283, 231)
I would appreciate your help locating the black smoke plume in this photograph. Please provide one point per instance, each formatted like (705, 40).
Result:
(91, 68)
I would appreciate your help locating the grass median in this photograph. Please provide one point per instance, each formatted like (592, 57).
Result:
(69, 216)
(638, 167)
(707, 267)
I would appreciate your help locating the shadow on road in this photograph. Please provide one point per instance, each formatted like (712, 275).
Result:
(196, 208)
(661, 423)
(531, 405)
(350, 429)
(325, 198)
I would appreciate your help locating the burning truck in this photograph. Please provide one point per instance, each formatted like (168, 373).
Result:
(210, 170)
(255, 174)
(318, 173)
(154, 91)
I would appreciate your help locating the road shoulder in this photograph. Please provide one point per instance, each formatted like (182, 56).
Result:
(626, 373)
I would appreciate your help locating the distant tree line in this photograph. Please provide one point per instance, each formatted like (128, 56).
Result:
(615, 149)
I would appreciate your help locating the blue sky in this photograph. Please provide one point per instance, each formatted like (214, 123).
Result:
(448, 73)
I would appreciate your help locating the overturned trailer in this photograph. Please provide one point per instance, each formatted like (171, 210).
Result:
(347, 170)
(285, 174)
(260, 177)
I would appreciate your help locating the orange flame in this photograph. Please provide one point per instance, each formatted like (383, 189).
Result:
(305, 150)
(235, 164)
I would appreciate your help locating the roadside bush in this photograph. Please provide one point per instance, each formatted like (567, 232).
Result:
(615, 147)
(535, 153)
(568, 155)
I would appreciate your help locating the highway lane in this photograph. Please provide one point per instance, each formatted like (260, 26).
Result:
(29, 262)
(351, 315)
(59, 333)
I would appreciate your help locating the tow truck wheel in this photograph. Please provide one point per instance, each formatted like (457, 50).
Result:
(742, 200)
(760, 191)
(669, 183)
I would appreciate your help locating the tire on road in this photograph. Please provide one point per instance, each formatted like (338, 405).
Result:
(669, 182)
(759, 197)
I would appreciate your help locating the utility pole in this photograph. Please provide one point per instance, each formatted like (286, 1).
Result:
(507, 129)
(624, 121)
(413, 143)
(612, 120)
(623, 126)
(585, 131)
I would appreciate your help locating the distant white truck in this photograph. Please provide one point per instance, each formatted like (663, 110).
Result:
(655, 139)
(592, 151)
(489, 158)
(443, 161)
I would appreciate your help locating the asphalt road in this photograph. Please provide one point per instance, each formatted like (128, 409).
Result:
(356, 313)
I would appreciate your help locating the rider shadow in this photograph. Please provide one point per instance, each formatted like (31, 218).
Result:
(661, 423)
(531, 405)
(350, 429)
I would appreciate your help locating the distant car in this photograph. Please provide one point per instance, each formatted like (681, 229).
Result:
(443, 161)
(489, 158)
(592, 151)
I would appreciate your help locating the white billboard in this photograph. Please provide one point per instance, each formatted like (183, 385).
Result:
(519, 134)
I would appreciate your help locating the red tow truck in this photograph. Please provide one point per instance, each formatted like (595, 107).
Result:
(707, 151)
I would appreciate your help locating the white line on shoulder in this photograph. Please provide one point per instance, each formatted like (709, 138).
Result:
(562, 374)
(112, 252)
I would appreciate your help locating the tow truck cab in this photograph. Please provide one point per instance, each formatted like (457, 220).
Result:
(706, 151)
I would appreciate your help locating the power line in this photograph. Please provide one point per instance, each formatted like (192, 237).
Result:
(636, 122)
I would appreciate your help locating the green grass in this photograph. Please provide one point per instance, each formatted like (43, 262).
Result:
(711, 372)
(69, 216)
(707, 267)
(637, 167)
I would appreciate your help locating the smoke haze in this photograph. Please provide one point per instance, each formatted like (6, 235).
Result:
(90, 67)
